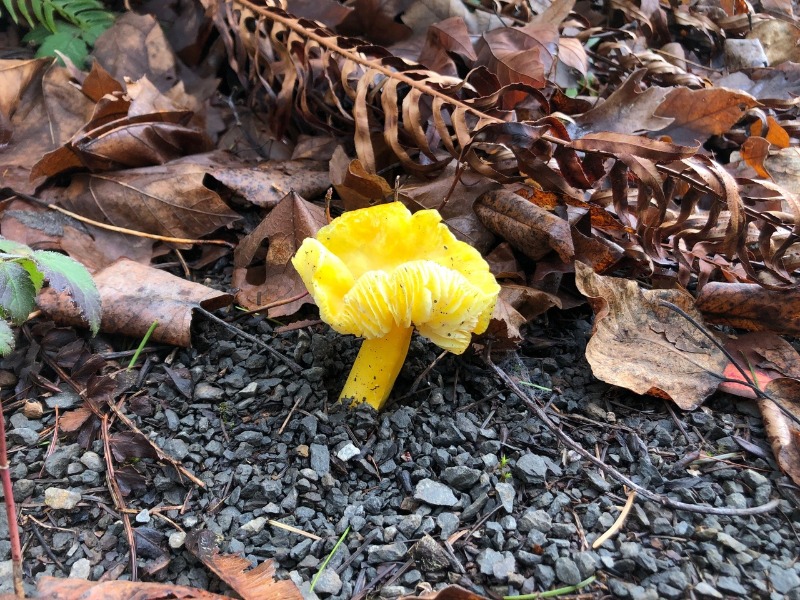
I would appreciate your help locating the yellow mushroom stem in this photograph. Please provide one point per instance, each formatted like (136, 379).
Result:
(377, 366)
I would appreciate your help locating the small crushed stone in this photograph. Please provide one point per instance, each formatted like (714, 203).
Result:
(460, 454)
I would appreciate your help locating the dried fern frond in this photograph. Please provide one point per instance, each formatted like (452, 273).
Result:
(399, 111)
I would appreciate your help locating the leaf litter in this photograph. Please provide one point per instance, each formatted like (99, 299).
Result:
(544, 130)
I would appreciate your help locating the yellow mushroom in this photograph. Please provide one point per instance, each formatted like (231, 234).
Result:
(378, 272)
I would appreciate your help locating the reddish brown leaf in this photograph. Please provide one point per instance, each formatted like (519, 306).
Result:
(42, 228)
(15, 77)
(763, 357)
(135, 295)
(285, 228)
(168, 200)
(530, 229)
(646, 347)
(355, 185)
(629, 109)
(699, 114)
(450, 35)
(256, 583)
(53, 588)
(522, 55)
(619, 143)
(266, 183)
(376, 21)
(750, 306)
(783, 432)
(755, 151)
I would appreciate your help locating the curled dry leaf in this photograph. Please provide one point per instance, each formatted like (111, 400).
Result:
(168, 200)
(285, 228)
(55, 588)
(750, 306)
(755, 151)
(699, 114)
(266, 183)
(15, 76)
(782, 431)
(646, 347)
(135, 295)
(763, 356)
(627, 109)
(451, 592)
(256, 583)
(530, 229)
(355, 185)
(95, 248)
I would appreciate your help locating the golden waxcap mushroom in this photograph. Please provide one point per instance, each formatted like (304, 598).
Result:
(379, 272)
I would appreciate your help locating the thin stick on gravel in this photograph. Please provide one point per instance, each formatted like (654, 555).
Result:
(644, 492)
(313, 536)
(11, 512)
(614, 529)
(250, 338)
(116, 495)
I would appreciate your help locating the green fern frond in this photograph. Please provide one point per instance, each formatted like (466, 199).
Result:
(84, 14)
(67, 26)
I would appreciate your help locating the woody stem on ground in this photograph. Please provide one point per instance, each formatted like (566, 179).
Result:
(11, 511)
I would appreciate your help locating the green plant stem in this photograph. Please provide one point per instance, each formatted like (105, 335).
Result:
(11, 512)
(538, 387)
(328, 558)
(142, 344)
(553, 593)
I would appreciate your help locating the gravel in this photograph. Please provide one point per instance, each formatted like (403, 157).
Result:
(462, 454)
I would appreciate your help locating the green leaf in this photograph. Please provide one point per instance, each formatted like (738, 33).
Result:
(9, 4)
(12, 247)
(37, 277)
(37, 35)
(6, 338)
(17, 292)
(66, 274)
(66, 40)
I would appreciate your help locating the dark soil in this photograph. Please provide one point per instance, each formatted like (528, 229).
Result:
(461, 453)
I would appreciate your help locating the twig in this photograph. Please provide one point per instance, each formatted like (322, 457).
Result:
(133, 232)
(116, 495)
(286, 527)
(612, 531)
(427, 370)
(48, 550)
(11, 512)
(644, 492)
(251, 338)
(268, 306)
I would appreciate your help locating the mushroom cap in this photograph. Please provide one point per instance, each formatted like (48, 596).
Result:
(377, 268)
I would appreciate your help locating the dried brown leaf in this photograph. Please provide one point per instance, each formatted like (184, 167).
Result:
(15, 77)
(356, 187)
(530, 229)
(285, 228)
(168, 200)
(755, 151)
(54, 588)
(783, 432)
(135, 295)
(751, 306)
(629, 109)
(256, 583)
(646, 347)
(699, 114)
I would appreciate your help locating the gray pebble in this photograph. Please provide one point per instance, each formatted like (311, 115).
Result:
(328, 583)
(731, 585)
(535, 519)
(320, 458)
(434, 493)
(506, 494)
(61, 499)
(531, 468)
(177, 448)
(460, 477)
(64, 400)
(386, 553)
(783, 580)
(177, 539)
(57, 463)
(23, 435)
(81, 569)
(707, 590)
(205, 392)
(347, 452)
(567, 571)
(92, 461)
(448, 523)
